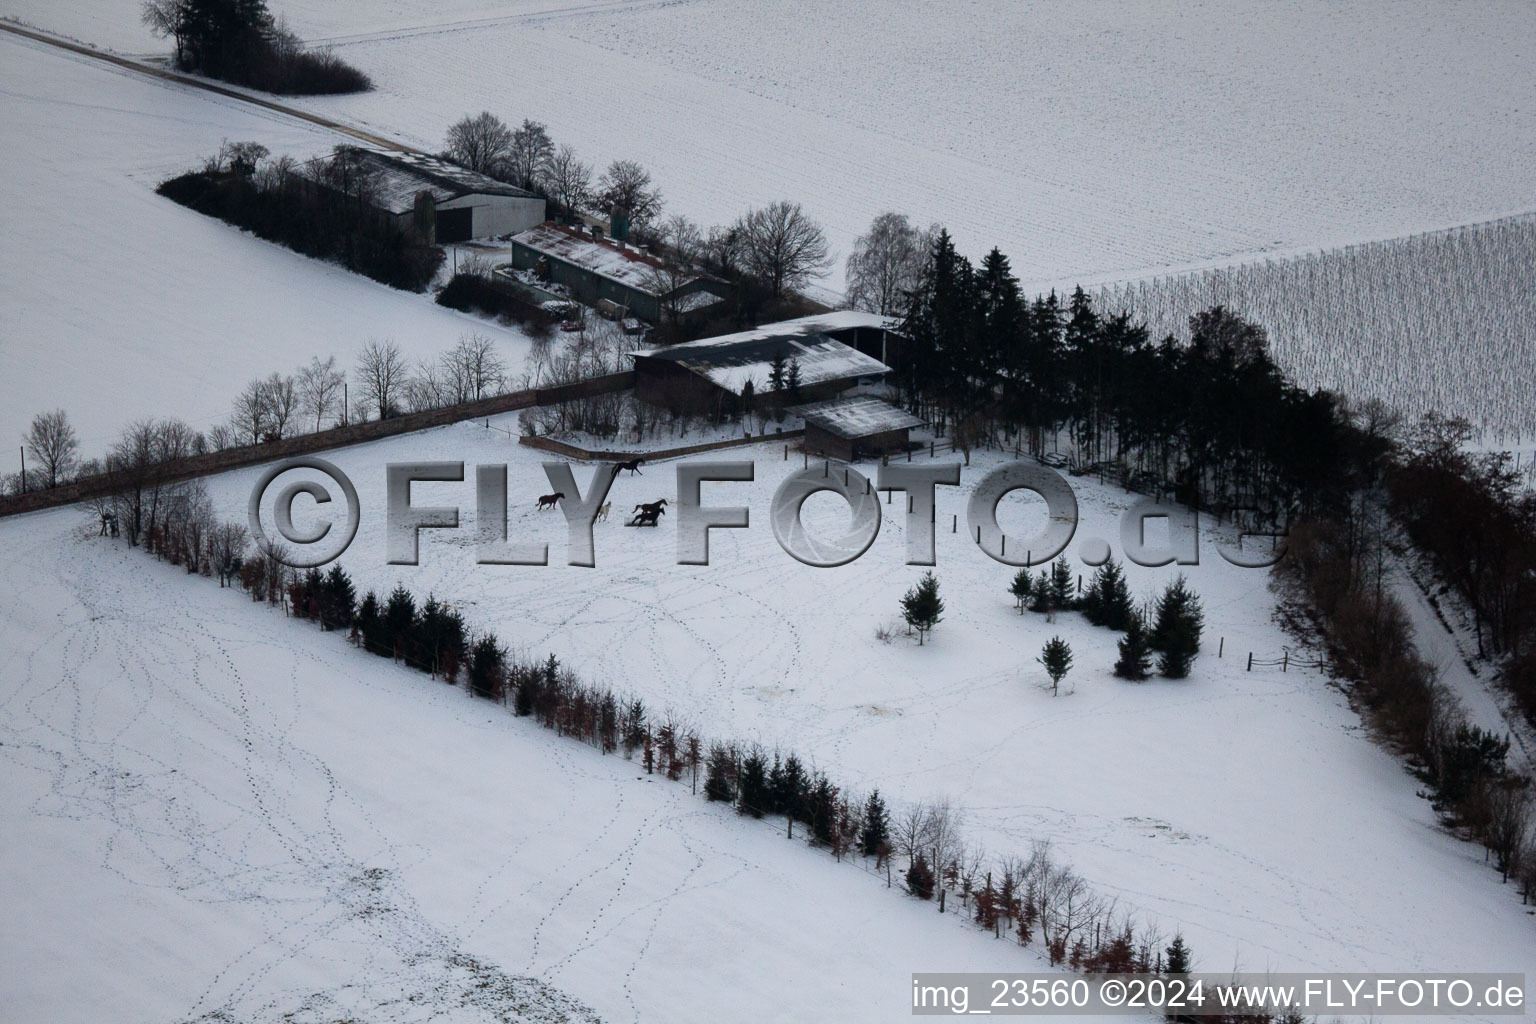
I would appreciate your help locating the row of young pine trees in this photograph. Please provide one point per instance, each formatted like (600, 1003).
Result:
(1171, 637)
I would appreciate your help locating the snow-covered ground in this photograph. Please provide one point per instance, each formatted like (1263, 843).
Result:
(1084, 141)
(214, 813)
(1236, 805)
(119, 303)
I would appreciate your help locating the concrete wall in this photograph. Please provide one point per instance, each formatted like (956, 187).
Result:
(305, 444)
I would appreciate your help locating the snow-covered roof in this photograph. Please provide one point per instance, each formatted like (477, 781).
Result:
(400, 177)
(626, 266)
(855, 417)
(696, 301)
(730, 360)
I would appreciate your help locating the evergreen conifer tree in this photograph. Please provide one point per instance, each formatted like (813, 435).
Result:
(1063, 594)
(1176, 632)
(753, 786)
(876, 836)
(717, 783)
(920, 879)
(1135, 660)
(1056, 656)
(922, 607)
(1177, 958)
(1020, 587)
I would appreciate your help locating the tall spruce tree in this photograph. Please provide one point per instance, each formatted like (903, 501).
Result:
(486, 665)
(752, 786)
(1063, 592)
(1107, 601)
(717, 783)
(1176, 631)
(875, 839)
(1177, 958)
(1135, 661)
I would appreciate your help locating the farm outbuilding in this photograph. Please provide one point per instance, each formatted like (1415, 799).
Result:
(859, 425)
(434, 199)
(711, 375)
(597, 270)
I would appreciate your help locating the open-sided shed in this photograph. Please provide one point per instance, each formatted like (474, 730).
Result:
(847, 428)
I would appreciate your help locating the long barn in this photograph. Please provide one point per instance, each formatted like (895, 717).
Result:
(434, 199)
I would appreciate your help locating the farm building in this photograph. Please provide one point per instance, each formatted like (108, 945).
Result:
(710, 375)
(847, 428)
(436, 200)
(598, 270)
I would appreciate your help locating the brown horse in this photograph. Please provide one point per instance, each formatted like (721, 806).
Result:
(549, 500)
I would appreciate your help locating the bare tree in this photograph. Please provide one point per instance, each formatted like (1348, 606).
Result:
(281, 395)
(724, 248)
(683, 243)
(227, 545)
(482, 143)
(381, 374)
(531, 152)
(625, 190)
(570, 180)
(474, 368)
(783, 247)
(52, 441)
(887, 264)
(320, 388)
(242, 157)
(251, 412)
(912, 831)
(169, 18)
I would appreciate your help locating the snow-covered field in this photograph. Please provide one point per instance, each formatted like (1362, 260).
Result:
(1083, 141)
(1234, 805)
(214, 813)
(121, 304)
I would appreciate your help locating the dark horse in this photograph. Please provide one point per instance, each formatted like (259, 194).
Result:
(647, 515)
(549, 500)
(633, 465)
(652, 509)
(647, 518)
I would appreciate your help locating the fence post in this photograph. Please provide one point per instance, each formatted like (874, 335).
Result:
(1250, 662)
(978, 535)
(1285, 661)
(1221, 646)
